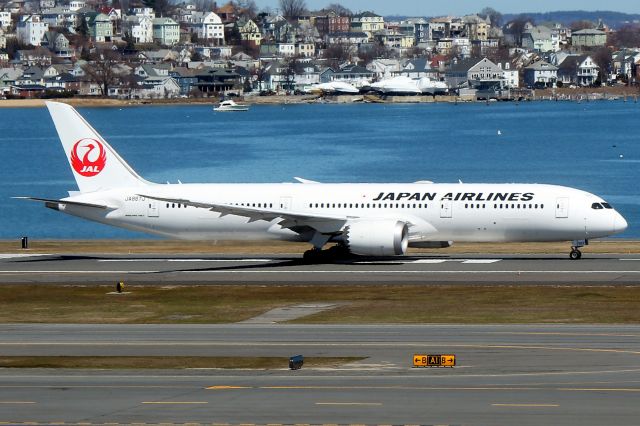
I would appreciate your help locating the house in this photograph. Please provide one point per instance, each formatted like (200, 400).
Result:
(510, 75)
(8, 77)
(165, 88)
(31, 29)
(3, 39)
(249, 32)
(76, 5)
(306, 75)
(480, 74)
(541, 74)
(395, 40)
(186, 79)
(38, 56)
(624, 63)
(63, 82)
(588, 38)
(60, 16)
(100, 26)
(307, 50)
(58, 44)
(384, 68)
(579, 70)
(353, 74)
(5, 19)
(218, 81)
(541, 39)
(166, 31)
(140, 28)
(368, 23)
(208, 26)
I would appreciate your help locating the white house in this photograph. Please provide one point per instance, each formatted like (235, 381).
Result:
(541, 39)
(31, 29)
(76, 5)
(60, 16)
(208, 26)
(140, 27)
(5, 19)
(578, 70)
(384, 68)
(541, 73)
(510, 75)
(3, 40)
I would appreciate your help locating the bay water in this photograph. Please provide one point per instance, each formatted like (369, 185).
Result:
(594, 146)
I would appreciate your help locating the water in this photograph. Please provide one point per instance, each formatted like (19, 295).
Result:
(593, 146)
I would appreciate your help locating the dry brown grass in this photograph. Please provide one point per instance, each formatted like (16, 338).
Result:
(280, 247)
(165, 362)
(358, 304)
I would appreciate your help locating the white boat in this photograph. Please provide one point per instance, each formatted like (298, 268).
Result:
(230, 105)
(432, 87)
(333, 87)
(399, 85)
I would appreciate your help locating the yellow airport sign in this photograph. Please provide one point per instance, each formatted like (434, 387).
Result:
(424, 360)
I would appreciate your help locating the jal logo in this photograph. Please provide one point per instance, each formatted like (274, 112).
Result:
(88, 157)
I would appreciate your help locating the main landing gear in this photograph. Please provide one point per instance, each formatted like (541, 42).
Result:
(331, 254)
(575, 253)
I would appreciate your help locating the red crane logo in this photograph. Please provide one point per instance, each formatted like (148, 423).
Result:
(92, 161)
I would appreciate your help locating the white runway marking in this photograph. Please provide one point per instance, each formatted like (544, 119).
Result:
(184, 260)
(18, 255)
(480, 261)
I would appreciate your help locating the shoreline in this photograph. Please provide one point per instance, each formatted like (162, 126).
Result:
(563, 94)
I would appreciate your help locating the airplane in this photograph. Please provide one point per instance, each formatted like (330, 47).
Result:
(370, 219)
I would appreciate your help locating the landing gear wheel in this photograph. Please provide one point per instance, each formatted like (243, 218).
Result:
(575, 254)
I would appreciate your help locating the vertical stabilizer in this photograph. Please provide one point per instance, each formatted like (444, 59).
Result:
(95, 165)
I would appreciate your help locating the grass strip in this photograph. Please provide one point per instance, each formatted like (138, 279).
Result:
(166, 362)
(357, 304)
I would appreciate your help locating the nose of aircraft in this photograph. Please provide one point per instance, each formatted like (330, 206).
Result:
(619, 223)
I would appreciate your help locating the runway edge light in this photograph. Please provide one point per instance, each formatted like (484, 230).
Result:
(431, 360)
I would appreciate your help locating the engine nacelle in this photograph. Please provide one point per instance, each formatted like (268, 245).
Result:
(377, 237)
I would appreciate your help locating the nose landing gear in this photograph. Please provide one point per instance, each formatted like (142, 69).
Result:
(575, 253)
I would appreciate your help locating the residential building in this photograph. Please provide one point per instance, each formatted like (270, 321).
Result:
(140, 27)
(368, 23)
(31, 29)
(510, 75)
(218, 81)
(475, 73)
(347, 38)
(588, 38)
(353, 74)
(60, 16)
(541, 74)
(100, 26)
(5, 20)
(307, 50)
(3, 39)
(578, 70)
(58, 44)
(541, 39)
(249, 32)
(166, 31)
(384, 68)
(418, 68)
(76, 5)
(208, 26)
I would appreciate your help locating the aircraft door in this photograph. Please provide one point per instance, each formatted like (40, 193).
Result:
(285, 203)
(152, 211)
(562, 207)
(445, 209)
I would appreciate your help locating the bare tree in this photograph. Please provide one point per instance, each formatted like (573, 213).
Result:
(627, 36)
(494, 17)
(247, 9)
(603, 57)
(581, 25)
(517, 27)
(103, 69)
(336, 54)
(292, 8)
(338, 9)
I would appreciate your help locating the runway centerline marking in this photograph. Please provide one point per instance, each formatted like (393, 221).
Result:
(525, 405)
(349, 403)
(174, 402)
(18, 402)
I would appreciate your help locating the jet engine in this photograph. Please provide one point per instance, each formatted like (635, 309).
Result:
(377, 237)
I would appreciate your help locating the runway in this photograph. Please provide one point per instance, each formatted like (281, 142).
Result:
(595, 269)
(512, 374)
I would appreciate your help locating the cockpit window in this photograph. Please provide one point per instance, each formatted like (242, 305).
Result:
(596, 206)
(607, 205)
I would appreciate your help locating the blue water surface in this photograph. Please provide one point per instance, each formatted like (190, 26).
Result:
(593, 146)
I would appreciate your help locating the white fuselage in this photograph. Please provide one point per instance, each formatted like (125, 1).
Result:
(435, 212)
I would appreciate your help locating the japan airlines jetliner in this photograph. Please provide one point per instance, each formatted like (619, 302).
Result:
(374, 219)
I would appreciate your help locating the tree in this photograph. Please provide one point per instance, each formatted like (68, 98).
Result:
(336, 54)
(581, 25)
(103, 69)
(161, 7)
(292, 8)
(131, 43)
(83, 27)
(517, 27)
(494, 17)
(247, 9)
(626, 36)
(338, 9)
(603, 57)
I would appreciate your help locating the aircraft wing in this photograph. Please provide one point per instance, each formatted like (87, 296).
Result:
(290, 219)
(54, 202)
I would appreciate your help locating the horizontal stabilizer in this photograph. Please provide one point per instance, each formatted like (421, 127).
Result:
(66, 202)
